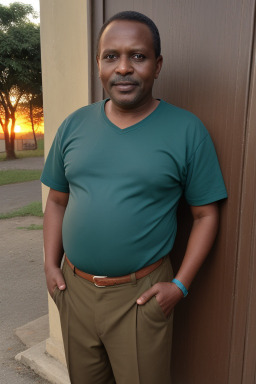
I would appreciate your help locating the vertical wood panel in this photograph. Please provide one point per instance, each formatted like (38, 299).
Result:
(244, 328)
(207, 53)
(97, 19)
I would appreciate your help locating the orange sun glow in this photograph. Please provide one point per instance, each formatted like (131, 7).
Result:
(17, 129)
(23, 129)
(22, 126)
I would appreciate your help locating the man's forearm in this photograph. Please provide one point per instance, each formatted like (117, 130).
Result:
(200, 242)
(53, 247)
(201, 239)
(53, 219)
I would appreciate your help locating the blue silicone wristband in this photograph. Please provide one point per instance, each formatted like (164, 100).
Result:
(180, 286)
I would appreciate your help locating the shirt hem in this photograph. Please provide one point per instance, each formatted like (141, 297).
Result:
(54, 186)
(208, 200)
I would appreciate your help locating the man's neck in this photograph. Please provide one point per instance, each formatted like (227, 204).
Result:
(125, 117)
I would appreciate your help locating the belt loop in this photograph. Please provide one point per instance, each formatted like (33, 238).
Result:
(133, 278)
(74, 271)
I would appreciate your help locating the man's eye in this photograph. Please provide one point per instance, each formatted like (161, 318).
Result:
(138, 56)
(110, 56)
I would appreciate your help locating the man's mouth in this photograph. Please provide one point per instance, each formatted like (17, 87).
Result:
(125, 86)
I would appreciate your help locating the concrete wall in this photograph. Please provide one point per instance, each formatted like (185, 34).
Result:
(64, 47)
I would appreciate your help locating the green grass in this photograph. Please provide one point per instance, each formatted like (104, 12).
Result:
(18, 176)
(39, 152)
(32, 209)
(32, 227)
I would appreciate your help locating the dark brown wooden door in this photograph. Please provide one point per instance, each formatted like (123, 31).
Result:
(207, 48)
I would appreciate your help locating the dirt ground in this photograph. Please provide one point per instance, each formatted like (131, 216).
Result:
(23, 294)
(27, 163)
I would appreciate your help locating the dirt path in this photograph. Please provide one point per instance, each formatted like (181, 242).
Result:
(28, 163)
(14, 196)
(23, 294)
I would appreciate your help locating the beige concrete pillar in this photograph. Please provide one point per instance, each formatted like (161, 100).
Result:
(65, 67)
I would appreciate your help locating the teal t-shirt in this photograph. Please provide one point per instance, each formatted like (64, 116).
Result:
(125, 184)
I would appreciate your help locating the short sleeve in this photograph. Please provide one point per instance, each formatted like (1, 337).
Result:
(204, 182)
(53, 174)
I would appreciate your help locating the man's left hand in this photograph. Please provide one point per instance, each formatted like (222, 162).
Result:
(167, 295)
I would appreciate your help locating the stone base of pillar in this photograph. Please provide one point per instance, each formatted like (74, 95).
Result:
(55, 349)
(45, 356)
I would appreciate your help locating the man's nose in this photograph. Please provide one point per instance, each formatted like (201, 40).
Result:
(124, 66)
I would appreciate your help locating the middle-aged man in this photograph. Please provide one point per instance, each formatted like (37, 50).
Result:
(116, 171)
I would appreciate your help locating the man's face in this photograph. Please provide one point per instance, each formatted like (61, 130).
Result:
(127, 63)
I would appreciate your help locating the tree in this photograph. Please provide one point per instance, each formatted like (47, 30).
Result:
(35, 113)
(31, 108)
(20, 65)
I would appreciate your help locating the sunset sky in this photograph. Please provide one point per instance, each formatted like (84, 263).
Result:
(21, 126)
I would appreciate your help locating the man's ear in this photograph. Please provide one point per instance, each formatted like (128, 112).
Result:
(159, 63)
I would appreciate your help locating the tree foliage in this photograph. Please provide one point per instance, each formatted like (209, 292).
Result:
(15, 14)
(20, 66)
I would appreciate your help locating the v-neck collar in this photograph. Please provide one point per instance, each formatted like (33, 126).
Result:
(131, 127)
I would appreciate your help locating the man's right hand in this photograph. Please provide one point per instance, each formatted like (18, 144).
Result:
(54, 278)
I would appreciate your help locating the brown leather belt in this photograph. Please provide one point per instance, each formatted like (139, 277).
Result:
(104, 281)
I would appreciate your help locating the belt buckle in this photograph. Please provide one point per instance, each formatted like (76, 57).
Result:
(99, 277)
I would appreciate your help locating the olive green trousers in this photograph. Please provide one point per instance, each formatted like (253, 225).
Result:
(109, 338)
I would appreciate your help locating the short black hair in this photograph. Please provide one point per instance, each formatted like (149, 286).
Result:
(140, 18)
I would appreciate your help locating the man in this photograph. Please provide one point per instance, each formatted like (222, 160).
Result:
(116, 172)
